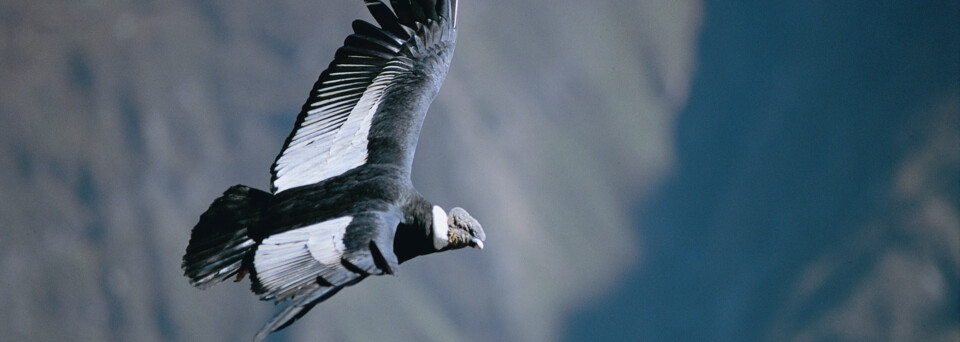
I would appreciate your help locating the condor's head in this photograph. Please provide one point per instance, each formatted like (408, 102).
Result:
(456, 230)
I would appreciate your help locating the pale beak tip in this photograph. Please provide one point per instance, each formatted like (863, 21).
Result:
(478, 244)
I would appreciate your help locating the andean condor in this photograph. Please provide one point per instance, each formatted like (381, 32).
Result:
(342, 206)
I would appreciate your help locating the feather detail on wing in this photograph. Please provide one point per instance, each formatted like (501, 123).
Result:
(309, 264)
(299, 307)
(331, 134)
(293, 262)
(325, 254)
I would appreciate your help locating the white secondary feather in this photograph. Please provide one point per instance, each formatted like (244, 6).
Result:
(330, 145)
(288, 262)
(326, 245)
(331, 136)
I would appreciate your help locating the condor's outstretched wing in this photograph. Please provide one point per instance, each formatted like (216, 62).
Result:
(369, 104)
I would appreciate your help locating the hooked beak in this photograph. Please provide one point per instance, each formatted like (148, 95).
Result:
(476, 243)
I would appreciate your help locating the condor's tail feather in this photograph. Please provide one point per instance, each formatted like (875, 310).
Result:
(219, 241)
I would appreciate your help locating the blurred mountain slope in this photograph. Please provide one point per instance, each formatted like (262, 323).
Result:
(815, 191)
(898, 277)
(121, 121)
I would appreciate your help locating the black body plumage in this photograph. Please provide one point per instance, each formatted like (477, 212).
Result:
(342, 206)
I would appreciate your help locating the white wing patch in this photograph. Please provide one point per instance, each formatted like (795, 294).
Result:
(290, 262)
(327, 246)
(325, 149)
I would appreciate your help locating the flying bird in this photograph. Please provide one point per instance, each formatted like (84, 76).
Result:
(342, 206)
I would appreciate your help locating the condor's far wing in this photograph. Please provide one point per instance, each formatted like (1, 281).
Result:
(369, 104)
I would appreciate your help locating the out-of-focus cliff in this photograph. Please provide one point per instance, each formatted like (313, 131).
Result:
(120, 121)
(815, 194)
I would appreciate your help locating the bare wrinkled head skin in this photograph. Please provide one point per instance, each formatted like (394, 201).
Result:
(464, 230)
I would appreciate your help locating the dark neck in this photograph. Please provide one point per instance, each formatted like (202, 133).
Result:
(413, 237)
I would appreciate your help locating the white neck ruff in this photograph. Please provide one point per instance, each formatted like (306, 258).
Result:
(440, 229)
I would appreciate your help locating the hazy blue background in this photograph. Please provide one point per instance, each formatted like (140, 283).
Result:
(799, 149)
(645, 170)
